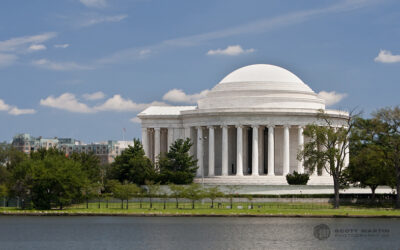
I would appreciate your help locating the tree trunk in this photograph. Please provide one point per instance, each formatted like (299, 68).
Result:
(122, 204)
(373, 188)
(151, 203)
(140, 203)
(99, 203)
(212, 203)
(127, 204)
(336, 187)
(193, 204)
(87, 203)
(107, 203)
(165, 204)
(177, 204)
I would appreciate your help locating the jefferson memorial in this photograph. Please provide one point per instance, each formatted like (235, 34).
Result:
(246, 130)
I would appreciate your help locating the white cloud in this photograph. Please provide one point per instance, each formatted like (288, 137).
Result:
(119, 104)
(4, 106)
(94, 3)
(179, 96)
(135, 120)
(144, 52)
(21, 44)
(7, 59)
(233, 50)
(17, 111)
(386, 56)
(332, 97)
(68, 102)
(37, 47)
(62, 46)
(94, 96)
(60, 66)
(13, 110)
(102, 19)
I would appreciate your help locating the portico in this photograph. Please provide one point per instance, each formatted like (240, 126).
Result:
(248, 129)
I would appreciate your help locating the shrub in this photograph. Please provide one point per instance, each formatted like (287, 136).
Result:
(297, 179)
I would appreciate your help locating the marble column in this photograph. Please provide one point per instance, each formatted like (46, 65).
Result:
(239, 150)
(170, 138)
(271, 151)
(254, 161)
(211, 151)
(300, 164)
(145, 142)
(286, 152)
(187, 132)
(157, 142)
(200, 140)
(224, 150)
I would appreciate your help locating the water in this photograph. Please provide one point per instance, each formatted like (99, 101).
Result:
(19, 232)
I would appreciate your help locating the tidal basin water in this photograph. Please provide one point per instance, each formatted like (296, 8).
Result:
(24, 232)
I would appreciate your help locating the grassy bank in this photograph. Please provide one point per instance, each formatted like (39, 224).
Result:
(270, 209)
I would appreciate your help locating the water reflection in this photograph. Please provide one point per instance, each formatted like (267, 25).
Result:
(197, 233)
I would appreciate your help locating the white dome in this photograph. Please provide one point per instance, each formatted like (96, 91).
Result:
(261, 86)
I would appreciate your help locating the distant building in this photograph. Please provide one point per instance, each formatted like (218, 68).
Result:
(106, 151)
(27, 143)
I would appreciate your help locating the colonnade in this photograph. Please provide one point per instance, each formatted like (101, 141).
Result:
(151, 139)
(239, 150)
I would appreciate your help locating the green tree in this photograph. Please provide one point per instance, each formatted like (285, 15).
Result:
(152, 190)
(164, 196)
(90, 164)
(56, 179)
(47, 178)
(232, 191)
(20, 179)
(178, 166)
(194, 193)
(91, 190)
(133, 166)
(327, 149)
(176, 192)
(390, 137)
(11, 157)
(125, 191)
(368, 163)
(213, 193)
(250, 199)
(3, 193)
(3, 190)
(141, 195)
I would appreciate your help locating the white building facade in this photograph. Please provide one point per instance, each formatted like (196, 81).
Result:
(247, 130)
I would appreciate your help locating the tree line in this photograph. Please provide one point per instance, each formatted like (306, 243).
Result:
(49, 178)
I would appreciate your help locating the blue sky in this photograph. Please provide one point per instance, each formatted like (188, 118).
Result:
(85, 68)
